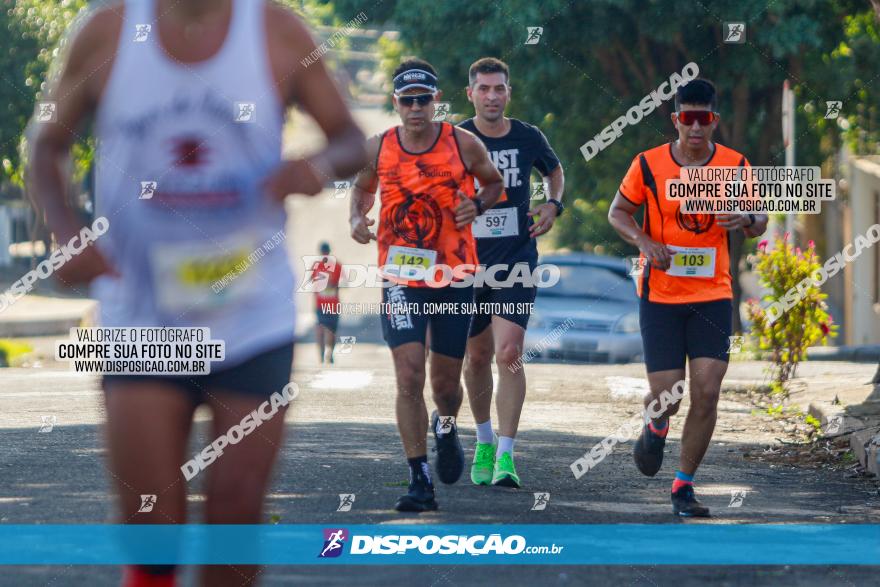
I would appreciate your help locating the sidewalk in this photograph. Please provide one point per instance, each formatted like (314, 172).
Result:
(845, 409)
(42, 315)
(36, 315)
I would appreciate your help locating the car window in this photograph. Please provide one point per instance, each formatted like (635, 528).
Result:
(589, 281)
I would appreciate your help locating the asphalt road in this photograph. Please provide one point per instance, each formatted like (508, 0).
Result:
(341, 438)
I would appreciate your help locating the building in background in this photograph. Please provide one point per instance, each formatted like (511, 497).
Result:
(857, 208)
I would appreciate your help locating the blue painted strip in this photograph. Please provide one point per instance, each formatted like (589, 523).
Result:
(614, 544)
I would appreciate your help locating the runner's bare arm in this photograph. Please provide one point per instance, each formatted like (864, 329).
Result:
(476, 161)
(547, 212)
(758, 228)
(81, 70)
(364, 195)
(74, 90)
(735, 221)
(620, 215)
(557, 183)
(307, 83)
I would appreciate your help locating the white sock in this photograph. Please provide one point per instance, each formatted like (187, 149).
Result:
(484, 432)
(505, 444)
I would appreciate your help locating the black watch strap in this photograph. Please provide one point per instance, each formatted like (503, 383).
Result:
(751, 220)
(560, 207)
(479, 204)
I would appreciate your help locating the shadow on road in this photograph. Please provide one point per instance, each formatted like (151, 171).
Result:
(59, 477)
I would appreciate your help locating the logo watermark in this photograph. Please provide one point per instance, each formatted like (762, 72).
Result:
(265, 412)
(340, 189)
(46, 112)
(346, 500)
(627, 430)
(147, 504)
(246, 263)
(148, 190)
(445, 425)
(737, 496)
(743, 190)
(76, 245)
(334, 39)
(47, 423)
(334, 540)
(134, 351)
(834, 425)
(142, 32)
(533, 35)
(735, 344)
(245, 112)
(346, 344)
(441, 111)
(542, 344)
(832, 109)
(833, 265)
(637, 266)
(665, 91)
(542, 499)
(539, 191)
(436, 276)
(735, 32)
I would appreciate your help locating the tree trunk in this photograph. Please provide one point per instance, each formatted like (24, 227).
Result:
(737, 238)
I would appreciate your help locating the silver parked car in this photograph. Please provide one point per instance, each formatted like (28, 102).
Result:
(591, 314)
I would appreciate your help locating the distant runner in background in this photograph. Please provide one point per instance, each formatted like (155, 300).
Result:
(325, 281)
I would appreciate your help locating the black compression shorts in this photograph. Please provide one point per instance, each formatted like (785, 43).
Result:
(673, 332)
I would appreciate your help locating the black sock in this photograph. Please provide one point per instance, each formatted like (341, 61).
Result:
(419, 472)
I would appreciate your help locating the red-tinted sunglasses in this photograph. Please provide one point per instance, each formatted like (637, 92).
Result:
(704, 117)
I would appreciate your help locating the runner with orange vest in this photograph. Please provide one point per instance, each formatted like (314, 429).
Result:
(686, 309)
(422, 170)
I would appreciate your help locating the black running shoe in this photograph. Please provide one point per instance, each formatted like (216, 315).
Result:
(685, 504)
(419, 499)
(648, 452)
(450, 456)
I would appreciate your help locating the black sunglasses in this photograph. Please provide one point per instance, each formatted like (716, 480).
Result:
(421, 99)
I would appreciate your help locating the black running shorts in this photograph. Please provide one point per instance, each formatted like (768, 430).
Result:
(673, 332)
(259, 376)
(512, 303)
(407, 312)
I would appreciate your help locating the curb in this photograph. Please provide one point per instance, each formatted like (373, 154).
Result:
(861, 422)
(866, 446)
(868, 353)
(41, 327)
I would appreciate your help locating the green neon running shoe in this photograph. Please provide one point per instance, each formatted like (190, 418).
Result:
(505, 473)
(484, 463)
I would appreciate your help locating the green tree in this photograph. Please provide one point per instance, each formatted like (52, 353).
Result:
(32, 30)
(597, 59)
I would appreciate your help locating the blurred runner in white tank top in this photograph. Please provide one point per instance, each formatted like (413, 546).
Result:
(189, 100)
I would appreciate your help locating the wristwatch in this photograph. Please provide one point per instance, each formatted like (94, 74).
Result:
(560, 207)
(479, 204)
(751, 220)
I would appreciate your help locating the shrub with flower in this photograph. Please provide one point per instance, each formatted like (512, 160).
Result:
(808, 322)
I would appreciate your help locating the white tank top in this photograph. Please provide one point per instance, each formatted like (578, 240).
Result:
(196, 247)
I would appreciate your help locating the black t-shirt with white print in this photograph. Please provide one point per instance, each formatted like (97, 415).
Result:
(502, 233)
